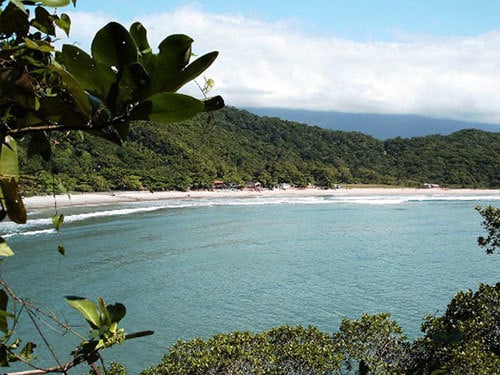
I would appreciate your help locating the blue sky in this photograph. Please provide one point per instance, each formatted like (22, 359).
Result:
(438, 58)
(355, 19)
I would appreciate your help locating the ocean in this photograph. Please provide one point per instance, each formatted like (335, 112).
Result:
(188, 268)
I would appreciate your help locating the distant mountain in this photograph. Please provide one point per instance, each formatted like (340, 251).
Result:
(379, 126)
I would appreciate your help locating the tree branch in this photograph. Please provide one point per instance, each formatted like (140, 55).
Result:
(44, 339)
(59, 127)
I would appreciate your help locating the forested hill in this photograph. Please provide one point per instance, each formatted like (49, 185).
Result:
(236, 147)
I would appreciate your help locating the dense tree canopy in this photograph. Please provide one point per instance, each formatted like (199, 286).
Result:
(237, 147)
(464, 340)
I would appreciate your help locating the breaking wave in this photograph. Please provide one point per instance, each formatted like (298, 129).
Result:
(43, 225)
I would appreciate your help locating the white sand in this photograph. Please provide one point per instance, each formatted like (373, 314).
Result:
(95, 199)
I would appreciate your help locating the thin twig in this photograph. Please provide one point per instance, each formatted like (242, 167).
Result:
(27, 304)
(86, 127)
(57, 369)
(52, 352)
(31, 310)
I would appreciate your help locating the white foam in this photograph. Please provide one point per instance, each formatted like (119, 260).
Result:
(30, 233)
(44, 225)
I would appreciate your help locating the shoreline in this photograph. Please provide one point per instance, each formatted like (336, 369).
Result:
(105, 198)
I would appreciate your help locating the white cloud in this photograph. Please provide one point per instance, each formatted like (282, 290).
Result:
(83, 28)
(275, 65)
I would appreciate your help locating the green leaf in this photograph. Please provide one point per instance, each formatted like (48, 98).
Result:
(175, 51)
(139, 34)
(55, 3)
(78, 94)
(19, 4)
(100, 344)
(138, 334)
(88, 309)
(13, 200)
(79, 135)
(39, 46)
(9, 163)
(166, 67)
(27, 352)
(62, 112)
(61, 249)
(17, 84)
(44, 21)
(113, 46)
(64, 23)
(134, 85)
(93, 76)
(14, 19)
(169, 70)
(213, 104)
(116, 312)
(4, 300)
(106, 320)
(197, 67)
(5, 249)
(58, 220)
(172, 107)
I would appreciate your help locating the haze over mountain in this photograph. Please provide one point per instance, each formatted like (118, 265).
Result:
(380, 126)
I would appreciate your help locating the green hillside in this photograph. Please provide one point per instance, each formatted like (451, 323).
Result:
(238, 147)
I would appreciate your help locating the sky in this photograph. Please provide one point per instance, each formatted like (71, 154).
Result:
(438, 58)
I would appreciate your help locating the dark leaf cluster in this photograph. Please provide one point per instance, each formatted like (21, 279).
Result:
(491, 222)
(43, 91)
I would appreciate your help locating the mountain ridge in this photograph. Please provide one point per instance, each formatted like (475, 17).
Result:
(380, 126)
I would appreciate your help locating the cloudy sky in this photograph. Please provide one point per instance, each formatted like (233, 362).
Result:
(438, 58)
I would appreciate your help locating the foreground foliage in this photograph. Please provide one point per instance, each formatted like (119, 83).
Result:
(123, 81)
(283, 350)
(491, 222)
(45, 95)
(464, 340)
(238, 147)
(373, 343)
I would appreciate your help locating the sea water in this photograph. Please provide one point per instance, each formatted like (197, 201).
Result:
(188, 268)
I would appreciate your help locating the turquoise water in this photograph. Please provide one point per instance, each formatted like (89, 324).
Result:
(199, 267)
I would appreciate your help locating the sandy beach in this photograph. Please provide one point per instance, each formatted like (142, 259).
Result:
(96, 199)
